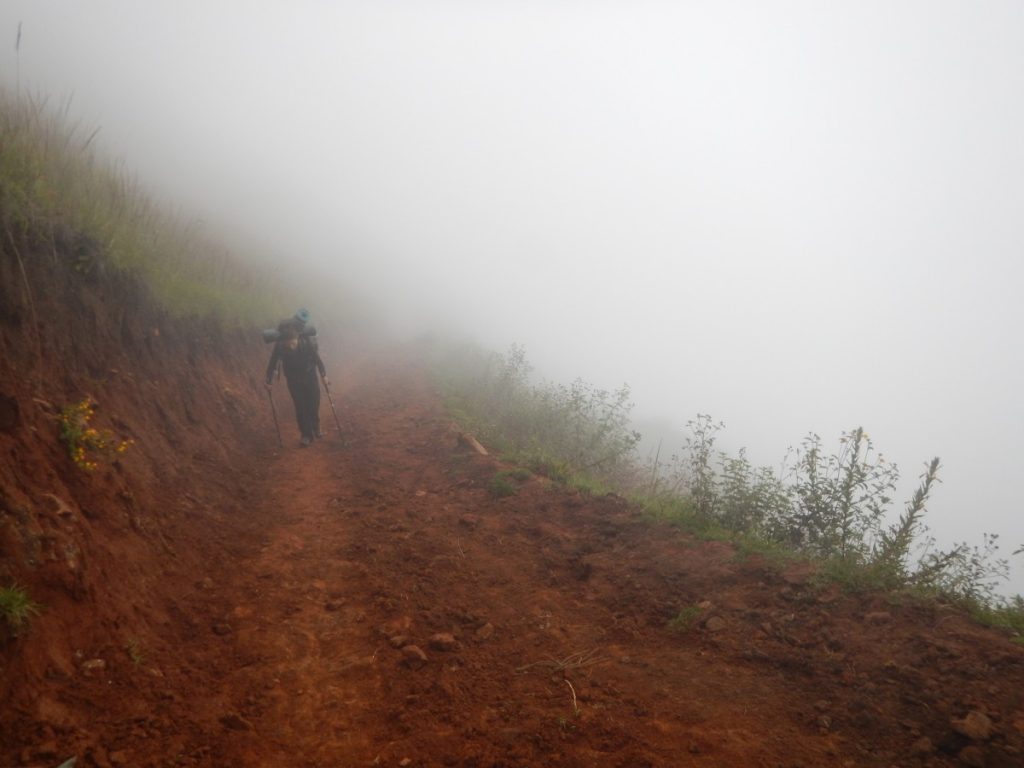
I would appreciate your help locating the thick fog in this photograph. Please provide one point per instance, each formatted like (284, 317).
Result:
(794, 216)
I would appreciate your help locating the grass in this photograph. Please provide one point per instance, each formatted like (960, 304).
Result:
(685, 620)
(16, 609)
(58, 195)
(507, 482)
(134, 650)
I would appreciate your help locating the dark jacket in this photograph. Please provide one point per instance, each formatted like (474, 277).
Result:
(298, 363)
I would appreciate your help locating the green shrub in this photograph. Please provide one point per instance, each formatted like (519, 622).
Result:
(685, 620)
(16, 609)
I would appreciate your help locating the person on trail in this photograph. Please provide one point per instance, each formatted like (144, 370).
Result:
(298, 355)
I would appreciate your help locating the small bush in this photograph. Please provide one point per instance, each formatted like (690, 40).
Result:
(85, 443)
(500, 486)
(684, 620)
(16, 609)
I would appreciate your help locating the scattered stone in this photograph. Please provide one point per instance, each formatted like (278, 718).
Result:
(398, 641)
(333, 605)
(58, 506)
(120, 757)
(206, 583)
(821, 705)
(48, 749)
(235, 722)
(922, 747)
(824, 723)
(705, 605)
(469, 521)
(715, 624)
(485, 632)
(443, 641)
(413, 656)
(405, 761)
(976, 725)
(877, 617)
(972, 756)
(93, 666)
(222, 629)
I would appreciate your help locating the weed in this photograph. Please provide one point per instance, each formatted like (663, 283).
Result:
(84, 442)
(134, 651)
(506, 482)
(684, 621)
(16, 609)
(501, 486)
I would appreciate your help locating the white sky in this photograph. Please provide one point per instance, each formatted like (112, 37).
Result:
(793, 215)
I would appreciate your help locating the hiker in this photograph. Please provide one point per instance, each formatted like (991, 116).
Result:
(298, 355)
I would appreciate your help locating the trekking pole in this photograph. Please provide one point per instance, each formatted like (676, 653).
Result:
(327, 389)
(273, 410)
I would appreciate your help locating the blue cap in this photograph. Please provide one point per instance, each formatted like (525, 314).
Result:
(303, 315)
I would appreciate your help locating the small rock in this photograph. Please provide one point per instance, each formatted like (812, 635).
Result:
(972, 756)
(405, 761)
(206, 583)
(47, 749)
(235, 722)
(120, 757)
(398, 641)
(485, 632)
(877, 617)
(976, 725)
(821, 705)
(92, 666)
(715, 624)
(333, 605)
(469, 521)
(221, 629)
(705, 605)
(922, 747)
(443, 641)
(413, 656)
(58, 506)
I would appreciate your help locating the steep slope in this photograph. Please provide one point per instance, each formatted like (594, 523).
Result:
(106, 553)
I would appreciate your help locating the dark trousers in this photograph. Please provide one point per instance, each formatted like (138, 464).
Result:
(305, 392)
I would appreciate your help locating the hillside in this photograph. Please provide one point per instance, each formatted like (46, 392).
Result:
(208, 599)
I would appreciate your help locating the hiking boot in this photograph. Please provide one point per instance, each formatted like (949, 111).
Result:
(319, 435)
(305, 442)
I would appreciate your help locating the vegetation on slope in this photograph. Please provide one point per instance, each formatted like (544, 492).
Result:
(55, 189)
(831, 507)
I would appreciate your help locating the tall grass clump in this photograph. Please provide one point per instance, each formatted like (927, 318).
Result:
(16, 608)
(59, 196)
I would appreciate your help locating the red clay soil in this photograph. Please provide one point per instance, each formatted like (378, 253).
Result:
(209, 599)
(369, 601)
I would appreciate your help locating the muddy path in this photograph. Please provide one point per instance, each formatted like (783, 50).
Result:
(372, 602)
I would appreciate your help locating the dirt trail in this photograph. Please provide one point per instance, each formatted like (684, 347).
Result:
(543, 620)
(559, 609)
